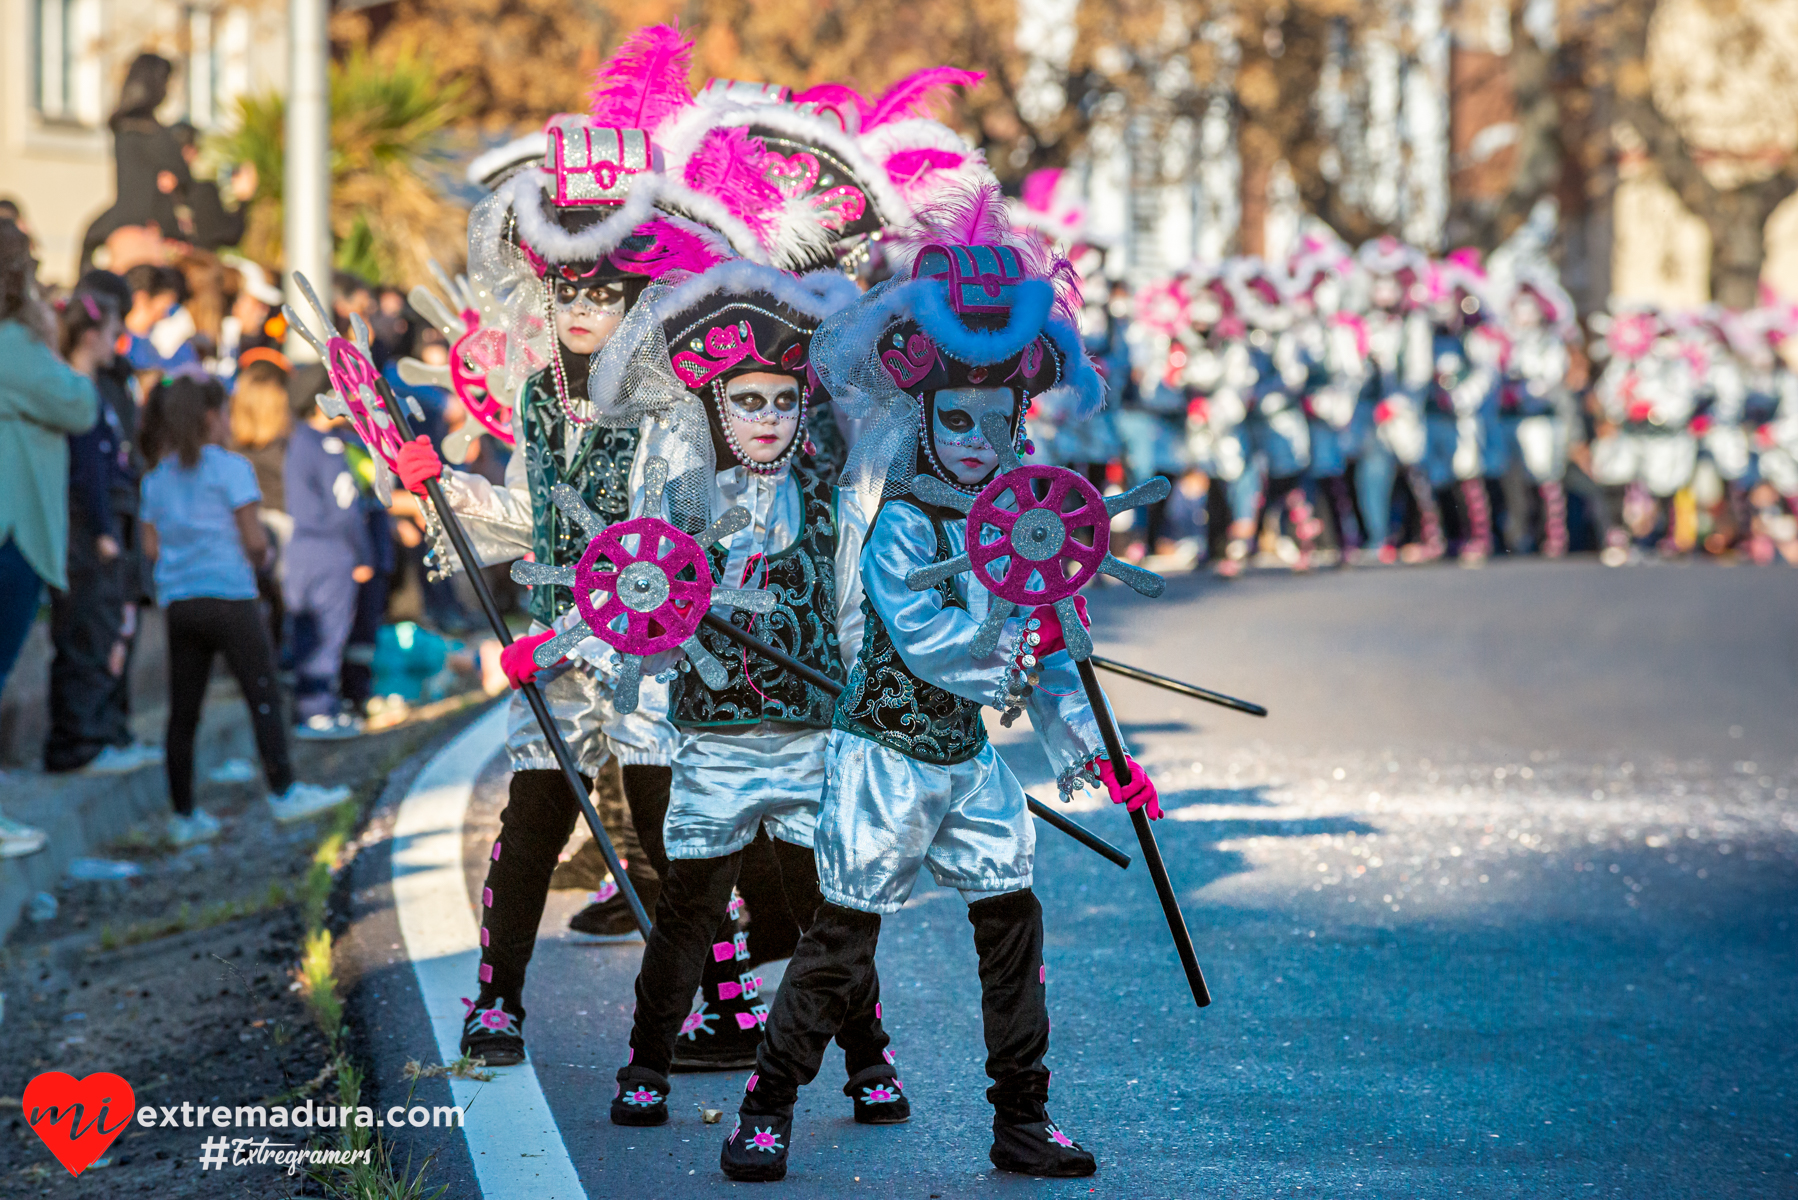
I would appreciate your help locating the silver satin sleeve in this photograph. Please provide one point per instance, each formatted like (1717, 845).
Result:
(1064, 721)
(728, 784)
(932, 638)
(852, 536)
(498, 519)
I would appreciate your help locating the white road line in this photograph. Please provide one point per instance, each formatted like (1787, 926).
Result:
(512, 1136)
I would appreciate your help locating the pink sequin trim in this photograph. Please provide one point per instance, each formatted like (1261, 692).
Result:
(486, 937)
(1042, 974)
(486, 973)
(496, 852)
(486, 897)
(750, 1086)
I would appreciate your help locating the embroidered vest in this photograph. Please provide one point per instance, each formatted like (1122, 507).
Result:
(888, 704)
(600, 472)
(803, 578)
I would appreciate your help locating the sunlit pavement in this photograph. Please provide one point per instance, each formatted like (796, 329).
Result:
(1500, 901)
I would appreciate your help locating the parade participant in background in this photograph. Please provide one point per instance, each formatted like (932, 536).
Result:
(1468, 361)
(715, 370)
(1329, 345)
(1537, 409)
(976, 327)
(1400, 347)
(1273, 440)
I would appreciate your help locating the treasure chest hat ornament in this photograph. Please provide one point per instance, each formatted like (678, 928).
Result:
(983, 324)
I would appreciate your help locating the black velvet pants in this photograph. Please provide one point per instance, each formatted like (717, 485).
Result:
(539, 818)
(683, 953)
(835, 962)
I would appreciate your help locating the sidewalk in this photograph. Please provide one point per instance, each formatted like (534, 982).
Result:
(82, 813)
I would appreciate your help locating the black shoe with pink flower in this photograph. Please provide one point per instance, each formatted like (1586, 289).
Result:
(756, 1150)
(879, 1096)
(1038, 1148)
(493, 1033)
(642, 1098)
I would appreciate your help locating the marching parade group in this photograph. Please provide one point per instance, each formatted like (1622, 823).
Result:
(764, 350)
(1377, 405)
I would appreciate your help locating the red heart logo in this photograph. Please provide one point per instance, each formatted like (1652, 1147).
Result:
(75, 1117)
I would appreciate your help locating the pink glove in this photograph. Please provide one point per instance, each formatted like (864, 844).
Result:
(417, 462)
(1138, 792)
(1051, 630)
(516, 660)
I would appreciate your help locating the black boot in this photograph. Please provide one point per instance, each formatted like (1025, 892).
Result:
(879, 1096)
(494, 1032)
(609, 919)
(756, 1150)
(642, 1098)
(1008, 935)
(1038, 1148)
(539, 815)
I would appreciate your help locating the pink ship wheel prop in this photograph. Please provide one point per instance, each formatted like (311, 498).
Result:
(1036, 536)
(643, 601)
(1043, 562)
(354, 380)
(475, 353)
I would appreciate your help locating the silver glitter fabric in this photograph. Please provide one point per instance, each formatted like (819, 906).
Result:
(727, 785)
(885, 816)
(580, 699)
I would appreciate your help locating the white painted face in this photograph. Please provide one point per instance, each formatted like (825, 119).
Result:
(761, 413)
(955, 431)
(586, 316)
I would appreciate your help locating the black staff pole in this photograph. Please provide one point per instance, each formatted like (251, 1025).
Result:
(1174, 685)
(820, 680)
(533, 695)
(1145, 836)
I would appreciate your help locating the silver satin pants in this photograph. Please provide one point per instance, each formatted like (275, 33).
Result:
(581, 703)
(885, 815)
(727, 785)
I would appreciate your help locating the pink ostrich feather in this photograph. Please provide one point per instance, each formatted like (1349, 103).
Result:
(645, 81)
(674, 249)
(914, 96)
(917, 94)
(732, 166)
(979, 215)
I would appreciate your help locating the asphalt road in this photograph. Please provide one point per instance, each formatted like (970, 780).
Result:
(1500, 901)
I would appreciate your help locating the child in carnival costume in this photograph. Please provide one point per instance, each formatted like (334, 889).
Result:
(715, 370)
(1537, 409)
(976, 326)
(568, 246)
(1468, 361)
(1329, 344)
(1391, 413)
(1273, 440)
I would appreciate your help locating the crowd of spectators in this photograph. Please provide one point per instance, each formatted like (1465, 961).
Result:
(159, 452)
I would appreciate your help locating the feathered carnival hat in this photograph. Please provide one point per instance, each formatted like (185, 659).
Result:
(834, 171)
(685, 338)
(982, 306)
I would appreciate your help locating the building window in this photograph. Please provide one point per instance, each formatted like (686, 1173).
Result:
(65, 62)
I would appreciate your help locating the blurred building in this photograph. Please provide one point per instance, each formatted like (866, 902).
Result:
(61, 63)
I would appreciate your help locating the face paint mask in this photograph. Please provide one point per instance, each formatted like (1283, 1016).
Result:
(762, 415)
(959, 452)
